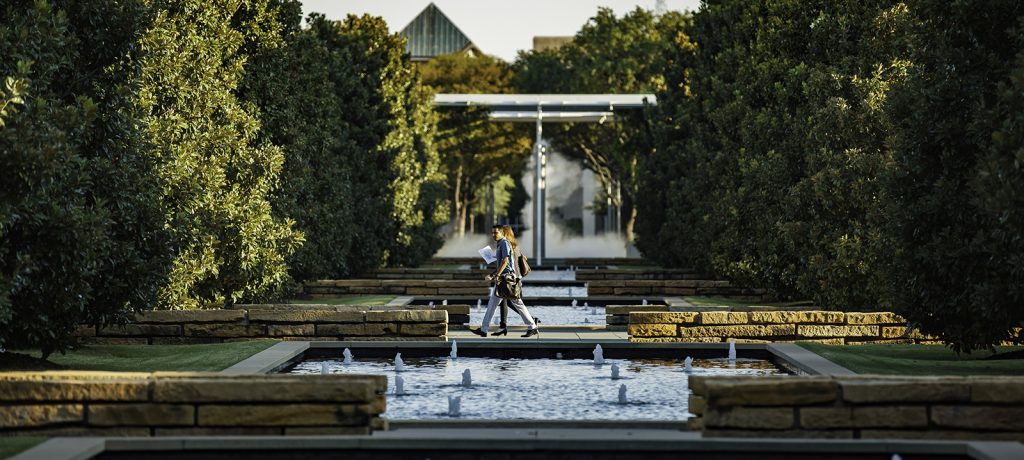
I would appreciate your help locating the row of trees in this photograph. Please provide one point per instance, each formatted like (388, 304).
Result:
(863, 153)
(138, 175)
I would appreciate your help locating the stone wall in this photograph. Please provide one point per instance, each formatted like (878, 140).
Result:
(616, 274)
(472, 274)
(833, 327)
(413, 287)
(947, 408)
(327, 323)
(673, 287)
(617, 316)
(82, 403)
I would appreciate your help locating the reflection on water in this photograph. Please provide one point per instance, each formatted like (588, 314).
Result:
(546, 389)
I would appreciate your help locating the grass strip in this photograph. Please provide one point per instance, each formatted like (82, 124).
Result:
(916, 360)
(148, 358)
(15, 445)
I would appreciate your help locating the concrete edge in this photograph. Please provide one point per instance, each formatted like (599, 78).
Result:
(64, 449)
(268, 360)
(526, 439)
(807, 361)
(985, 450)
(401, 301)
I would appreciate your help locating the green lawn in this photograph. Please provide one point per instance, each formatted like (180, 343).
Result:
(147, 358)
(12, 446)
(916, 360)
(349, 300)
(704, 301)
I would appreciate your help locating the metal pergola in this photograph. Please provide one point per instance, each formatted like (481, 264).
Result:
(547, 108)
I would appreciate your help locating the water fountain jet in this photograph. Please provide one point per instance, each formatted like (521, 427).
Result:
(732, 349)
(348, 357)
(325, 368)
(688, 365)
(454, 354)
(467, 378)
(399, 364)
(622, 394)
(615, 371)
(453, 405)
(444, 302)
(399, 386)
(598, 355)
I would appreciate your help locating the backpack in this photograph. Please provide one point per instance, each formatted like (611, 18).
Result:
(522, 265)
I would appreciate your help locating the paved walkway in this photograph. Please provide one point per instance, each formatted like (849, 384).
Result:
(551, 333)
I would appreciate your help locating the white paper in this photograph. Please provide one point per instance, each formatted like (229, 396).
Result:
(488, 254)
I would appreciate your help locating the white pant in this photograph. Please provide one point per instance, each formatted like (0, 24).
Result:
(515, 304)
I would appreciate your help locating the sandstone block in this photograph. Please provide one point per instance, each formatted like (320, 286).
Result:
(225, 330)
(619, 320)
(723, 317)
(356, 283)
(632, 290)
(811, 434)
(190, 316)
(898, 332)
(1004, 390)
(758, 418)
(74, 390)
(185, 340)
(774, 391)
(797, 317)
(874, 318)
(654, 339)
(979, 417)
(21, 416)
(148, 330)
(282, 415)
(681, 317)
(695, 424)
(423, 329)
(407, 316)
(653, 330)
(357, 330)
(908, 390)
(421, 291)
(282, 330)
(219, 431)
(815, 331)
(453, 309)
(750, 330)
(114, 340)
(680, 283)
(696, 404)
(306, 316)
(271, 388)
(598, 290)
(826, 417)
(891, 416)
(141, 414)
(679, 291)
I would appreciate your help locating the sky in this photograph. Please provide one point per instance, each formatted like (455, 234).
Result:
(498, 27)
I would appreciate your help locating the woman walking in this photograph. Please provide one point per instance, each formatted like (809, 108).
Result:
(506, 253)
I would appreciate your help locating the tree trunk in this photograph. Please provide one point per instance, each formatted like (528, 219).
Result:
(459, 225)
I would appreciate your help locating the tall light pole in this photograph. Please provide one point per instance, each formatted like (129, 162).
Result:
(538, 190)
